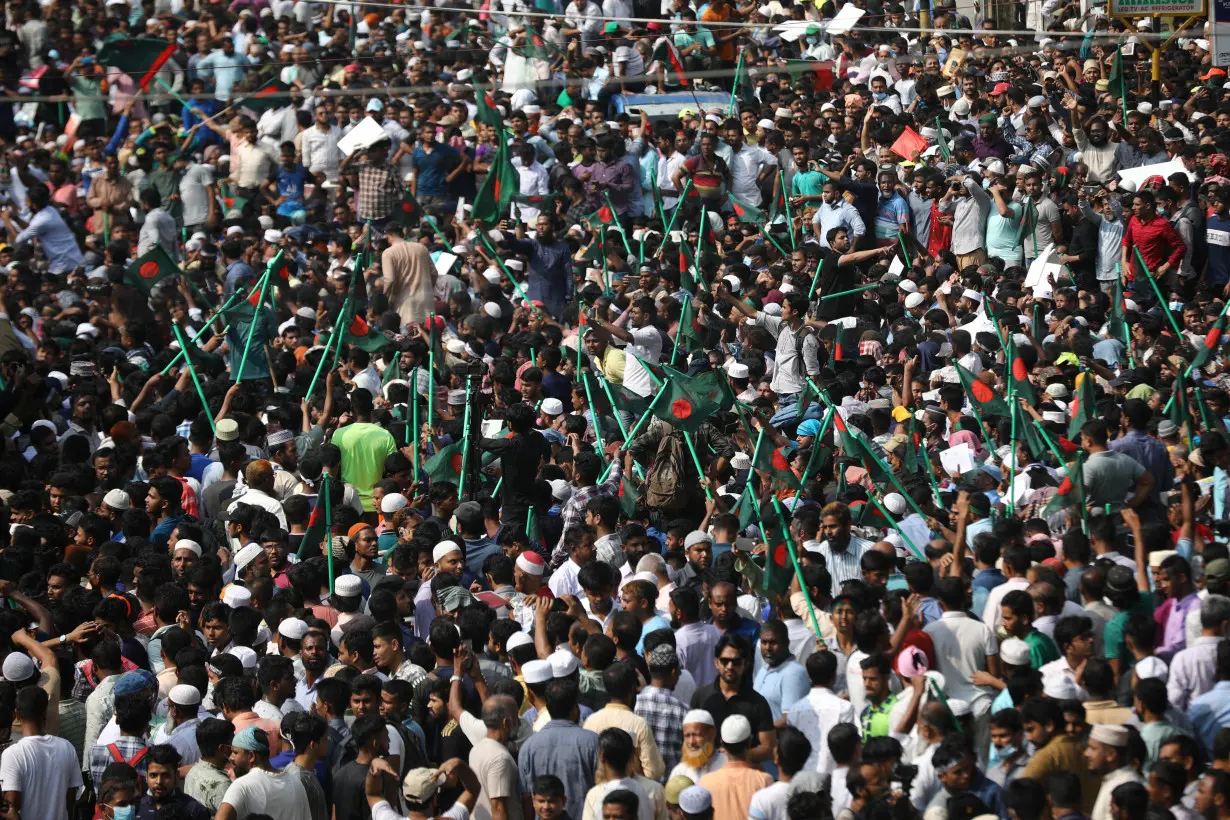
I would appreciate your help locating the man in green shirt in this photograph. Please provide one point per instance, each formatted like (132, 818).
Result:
(364, 448)
(1018, 620)
(807, 182)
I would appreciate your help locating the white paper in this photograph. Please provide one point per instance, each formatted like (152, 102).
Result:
(491, 427)
(845, 19)
(363, 135)
(897, 266)
(460, 213)
(445, 262)
(958, 460)
(1161, 169)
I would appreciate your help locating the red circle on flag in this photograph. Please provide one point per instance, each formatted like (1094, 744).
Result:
(149, 269)
(455, 463)
(1018, 370)
(681, 409)
(779, 555)
(407, 207)
(1065, 487)
(1210, 340)
(981, 392)
(284, 273)
(605, 215)
(779, 461)
(359, 327)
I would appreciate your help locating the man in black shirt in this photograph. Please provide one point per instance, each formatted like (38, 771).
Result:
(1080, 252)
(520, 455)
(732, 694)
(838, 274)
(370, 740)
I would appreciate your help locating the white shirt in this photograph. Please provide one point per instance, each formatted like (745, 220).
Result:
(533, 181)
(1193, 671)
(564, 580)
(182, 737)
(258, 498)
(320, 152)
(837, 788)
(815, 715)
(383, 811)
(962, 646)
(260, 792)
(1101, 806)
(646, 345)
(769, 803)
(43, 768)
(745, 169)
(992, 615)
(1058, 674)
(694, 643)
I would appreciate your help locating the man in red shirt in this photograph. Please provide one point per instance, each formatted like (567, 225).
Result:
(1160, 244)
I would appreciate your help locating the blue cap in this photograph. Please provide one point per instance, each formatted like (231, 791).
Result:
(130, 683)
(809, 427)
(249, 741)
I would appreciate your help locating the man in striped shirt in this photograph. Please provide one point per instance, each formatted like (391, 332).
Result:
(842, 551)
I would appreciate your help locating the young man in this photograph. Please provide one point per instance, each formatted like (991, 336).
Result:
(163, 787)
(258, 788)
(40, 773)
(208, 781)
(1017, 616)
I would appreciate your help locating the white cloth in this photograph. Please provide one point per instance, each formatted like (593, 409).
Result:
(43, 768)
(992, 615)
(962, 646)
(815, 715)
(1193, 671)
(1101, 806)
(694, 644)
(261, 792)
(745, 169)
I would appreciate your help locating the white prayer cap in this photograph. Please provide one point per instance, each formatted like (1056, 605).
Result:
(190, 545)
(442, 549)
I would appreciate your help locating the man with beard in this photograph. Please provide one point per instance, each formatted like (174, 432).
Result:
(1107, 757)
(698, 757)
(549, 277)
(258, 788)
(732, 694)
(310, 669)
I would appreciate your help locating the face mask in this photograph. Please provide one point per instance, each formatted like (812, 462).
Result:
(879, 95)
(124, 812)
(998, 754)
(1161, 211)
(986, 183)
(1176, 306)
(747, 260)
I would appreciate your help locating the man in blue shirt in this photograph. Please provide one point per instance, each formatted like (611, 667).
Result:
(237, 270)
(892, 211)
(835, 212)
(435, 166)
(780, 678)
(47, 226)
(225, 68)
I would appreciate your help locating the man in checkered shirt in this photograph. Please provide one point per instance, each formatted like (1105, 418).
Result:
(379, 191)
(659, 707)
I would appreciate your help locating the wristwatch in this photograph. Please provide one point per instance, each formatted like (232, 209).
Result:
(455, 678)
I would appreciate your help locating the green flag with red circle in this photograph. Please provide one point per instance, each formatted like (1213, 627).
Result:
(776, 463)
(1083, 406)
(745, 211)
(147, 271)
(981, 395)
(855, 446)
(685, 408)
(446, 464)
(778, 571)
(1212, 340)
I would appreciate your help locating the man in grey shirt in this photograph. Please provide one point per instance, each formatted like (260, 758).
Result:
(1109, 477)
(197, 191)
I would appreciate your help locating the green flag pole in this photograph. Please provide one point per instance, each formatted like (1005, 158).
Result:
(913, 549)
(794, 560)
(815, 279)
(687, 185)
(412, 435)
(849, 292)
(734, 91)
(824, 426)
(589, 397)
(335, 339)
(769, 237)
(683, 317)
(431, 370)
(260, 305)
(781, 178)
(615, 216)
(328, 551)
(465, 434)
(1158, 292)
(196, 381)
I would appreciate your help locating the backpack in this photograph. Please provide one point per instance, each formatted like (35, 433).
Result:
(664, 486)
(800, 338)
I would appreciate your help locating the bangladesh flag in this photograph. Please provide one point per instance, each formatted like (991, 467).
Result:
(856, 447)
(776, 463)
(409, 214)
(1028, 220)
(136, 57)
(682, 407)
(745, 211)
(664, 51)
(846, 345)
(1071, 491)
(487, 112)
(1019, 374)
(147, 271)
(601, 218)
(501, 184)
(445, 465)
(393, 370)
(314, 536)
(1116, 68)
(270, 95)
(778, 570)
(942, 141)
(745, 507)
(981, 395)
(1212, 340)
(363, 336)
(629, 495)
(1083, 405)
(689, 331)
(713, 385)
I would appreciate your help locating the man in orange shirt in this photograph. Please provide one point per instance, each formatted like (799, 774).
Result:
(733, 785)
(719, 11)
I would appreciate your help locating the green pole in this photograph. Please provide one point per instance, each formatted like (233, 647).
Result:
(849, 292)
(815, 279)
(794, 560)
(824, 426)
(781, 177)
(260, 304)
(687, 438)
(683, 317)
(431, 370)
(627, 247)
(678, 206)
(700, 235)
(589, 397)
(335, 338)
(196, 381)
(412, 435)
(1158, 292)
(734, 91)
(767, 236)
(216, 314)
(465, 437)
(328, 532)
(896, 526)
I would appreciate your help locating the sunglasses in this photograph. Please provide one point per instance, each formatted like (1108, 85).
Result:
(730, 661)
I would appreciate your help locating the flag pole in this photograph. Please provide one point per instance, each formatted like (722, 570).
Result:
(824, 426)
(627, 248)
(260, 304)
(219, 313)
(683, 317)
(781, 180)
(1158, 292)
(589, 397)
(849, 292)
(734, 91)
(794, 560)
(815, 280)
(412, 435)
(196, 381)
(769, 237)
(687, 185)
(334, 339)
(328, 551)
(909, 543)
(431, 369)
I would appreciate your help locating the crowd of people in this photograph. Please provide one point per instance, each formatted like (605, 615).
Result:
(619, 411)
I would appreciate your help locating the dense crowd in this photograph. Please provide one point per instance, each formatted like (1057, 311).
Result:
(619, 411)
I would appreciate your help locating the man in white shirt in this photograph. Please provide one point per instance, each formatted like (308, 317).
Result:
(817, 713)
(534, 181)
(750, 165)
(321, 155)
(642, 340)
(258, 789)
(1193, 670)
(1016, 565)
(40, 773)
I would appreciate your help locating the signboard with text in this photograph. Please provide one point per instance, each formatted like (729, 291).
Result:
(1155, 8)
(1219, 36)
